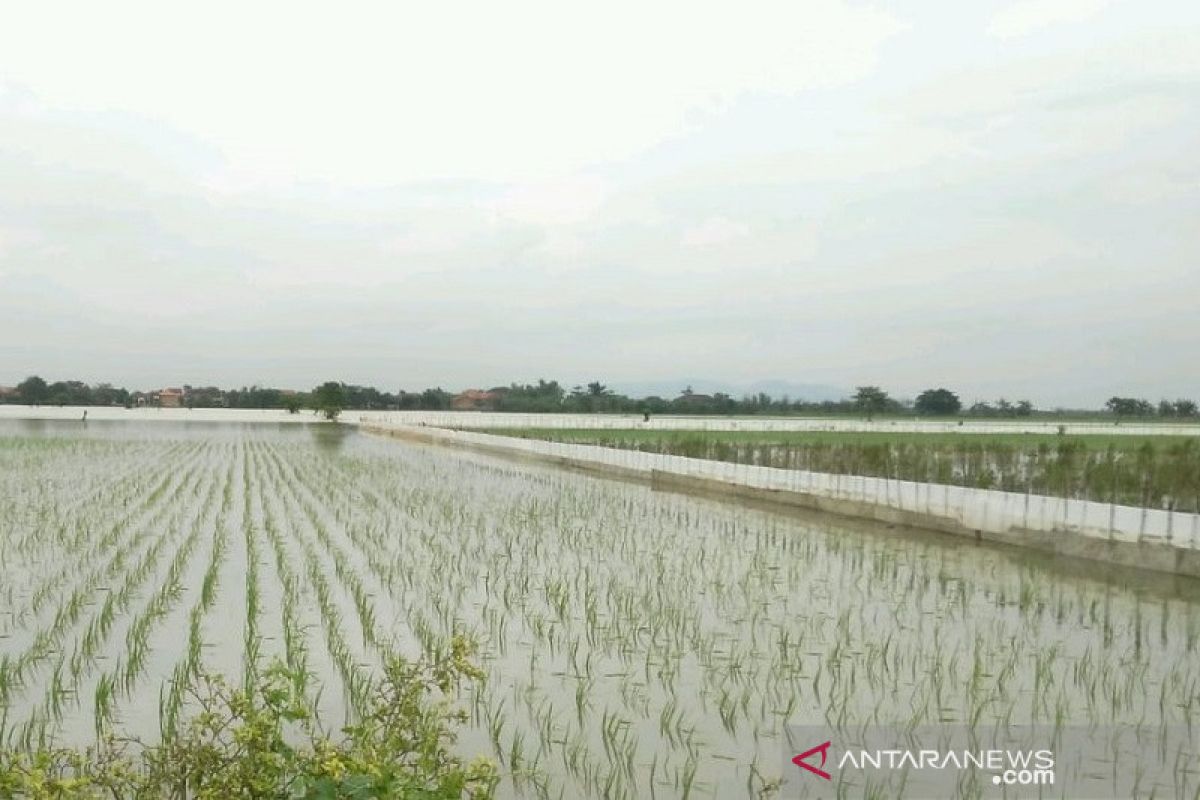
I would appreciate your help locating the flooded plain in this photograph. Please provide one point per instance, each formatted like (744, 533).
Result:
(637, 643)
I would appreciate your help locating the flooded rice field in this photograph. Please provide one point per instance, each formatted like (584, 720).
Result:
(636, 643)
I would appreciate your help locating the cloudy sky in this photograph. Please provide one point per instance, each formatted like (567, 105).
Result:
(1003, 198)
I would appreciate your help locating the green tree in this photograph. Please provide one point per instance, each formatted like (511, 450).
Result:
(983, 409)
(329, 399)
(1129, 407)
(937, 402)
(545, 397)
(870, 400)
(436, 399)
(1179, 408)
(33, 390)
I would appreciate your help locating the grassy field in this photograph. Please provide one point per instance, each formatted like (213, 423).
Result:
(1154, 471)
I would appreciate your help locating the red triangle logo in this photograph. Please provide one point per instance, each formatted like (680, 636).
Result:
(800, 761)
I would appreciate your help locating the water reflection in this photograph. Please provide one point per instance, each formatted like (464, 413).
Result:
(330, 438)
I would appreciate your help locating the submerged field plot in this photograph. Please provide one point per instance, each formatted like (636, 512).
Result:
(636, 644)
(1151, 470)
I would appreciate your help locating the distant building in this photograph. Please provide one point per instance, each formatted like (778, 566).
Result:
(474, 400)
(170, 398)
(8, 393)
(693, 399)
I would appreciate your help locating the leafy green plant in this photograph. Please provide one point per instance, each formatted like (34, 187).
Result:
(263, 742)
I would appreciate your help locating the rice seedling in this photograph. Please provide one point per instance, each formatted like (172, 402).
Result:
(103, 704)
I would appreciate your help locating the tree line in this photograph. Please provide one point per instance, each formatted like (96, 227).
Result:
(549, 396)
(1138, 407)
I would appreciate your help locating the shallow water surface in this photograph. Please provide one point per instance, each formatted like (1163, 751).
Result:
(637, 643)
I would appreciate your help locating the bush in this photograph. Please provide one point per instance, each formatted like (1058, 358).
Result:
(263, 742)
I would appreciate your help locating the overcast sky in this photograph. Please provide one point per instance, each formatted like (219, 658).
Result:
(1002, 198)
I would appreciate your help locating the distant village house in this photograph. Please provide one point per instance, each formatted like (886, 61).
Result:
(170, 398)
(475, 400)
(163, 398)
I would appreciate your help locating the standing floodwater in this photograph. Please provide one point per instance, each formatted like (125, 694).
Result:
(637, 643)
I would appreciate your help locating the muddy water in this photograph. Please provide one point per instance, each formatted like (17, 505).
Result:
(637, 643)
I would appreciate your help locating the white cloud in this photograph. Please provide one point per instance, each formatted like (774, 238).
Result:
(560, 200)
(715, 231)
(389, 92)
(1029, 16)
(1142, 61)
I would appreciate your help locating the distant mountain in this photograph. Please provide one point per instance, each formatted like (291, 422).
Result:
(776, 388)
(799, 391)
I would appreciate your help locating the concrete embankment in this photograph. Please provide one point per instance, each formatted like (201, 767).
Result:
(1148, 539)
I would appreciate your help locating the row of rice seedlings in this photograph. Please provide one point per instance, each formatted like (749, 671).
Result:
(300, 482)
(294, 634)
(39, 724)
(346, 575)
(189, 667)
(357, 686)
(96, 632)
(513, 750)
(103, 704)
(110, 545)
(127, 522)
(251, 639)
(131, 665)
(355, 681)
(8, 681)
(345, 568)
(48, 640)
(161, 602)
(355, 676)
(41, 521)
